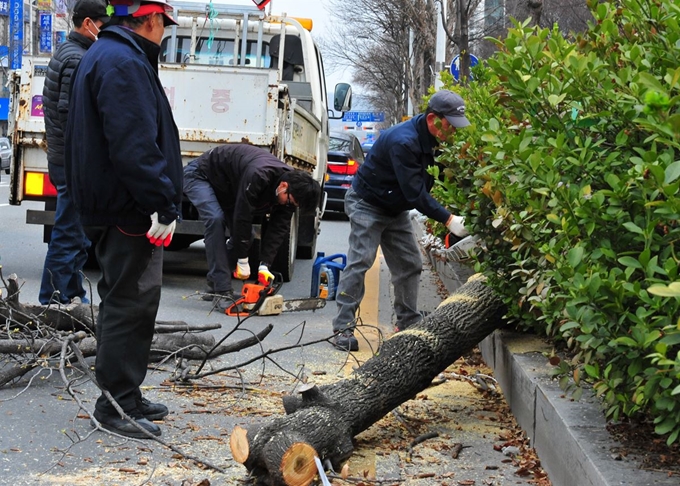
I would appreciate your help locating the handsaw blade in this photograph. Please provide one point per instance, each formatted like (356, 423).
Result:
(294, 305)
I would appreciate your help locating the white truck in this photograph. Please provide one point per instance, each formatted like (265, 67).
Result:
(232, 74)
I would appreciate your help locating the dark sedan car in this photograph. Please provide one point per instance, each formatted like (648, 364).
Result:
(344, 158)
(5, 154)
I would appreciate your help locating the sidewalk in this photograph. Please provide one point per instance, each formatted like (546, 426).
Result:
(570, 437)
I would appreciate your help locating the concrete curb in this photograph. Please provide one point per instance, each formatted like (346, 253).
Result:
(570, 438)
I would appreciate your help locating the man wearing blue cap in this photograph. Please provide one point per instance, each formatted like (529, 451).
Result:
(392, 181)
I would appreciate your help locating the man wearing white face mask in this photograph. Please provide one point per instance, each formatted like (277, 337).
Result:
(67, 250)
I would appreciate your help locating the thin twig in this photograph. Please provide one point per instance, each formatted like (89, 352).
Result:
(113, 402)
(418, 440)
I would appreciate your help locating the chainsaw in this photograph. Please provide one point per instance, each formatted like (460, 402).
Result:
(264, 300)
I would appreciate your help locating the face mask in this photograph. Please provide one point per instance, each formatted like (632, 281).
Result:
(96, 36)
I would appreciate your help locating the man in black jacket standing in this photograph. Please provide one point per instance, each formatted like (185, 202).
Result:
(124, 168)
(67, 250)
(231, 184)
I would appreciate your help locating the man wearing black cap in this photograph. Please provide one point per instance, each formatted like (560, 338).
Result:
(62, 281)
(392, 181)
(124, 167)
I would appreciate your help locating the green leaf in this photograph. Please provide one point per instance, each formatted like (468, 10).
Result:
(613, 181)
(553, 218)
(575, 256)
(633, 228)
(671, 290)
(626, 341)
(672, 172)
(629, 262)
(676, 391)
(666, 426)
(555, 100)
(671, 339)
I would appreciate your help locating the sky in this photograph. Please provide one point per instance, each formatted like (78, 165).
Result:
(313, 9)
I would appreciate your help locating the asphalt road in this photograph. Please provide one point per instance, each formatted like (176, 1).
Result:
(45, 439)
(35, 419)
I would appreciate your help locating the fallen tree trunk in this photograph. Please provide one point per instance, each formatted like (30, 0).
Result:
(323, 420)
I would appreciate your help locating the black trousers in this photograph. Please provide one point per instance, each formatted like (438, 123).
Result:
(130, 291)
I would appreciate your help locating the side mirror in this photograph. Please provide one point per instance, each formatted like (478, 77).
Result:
(343, 97)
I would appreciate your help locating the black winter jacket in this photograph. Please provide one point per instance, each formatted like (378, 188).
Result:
(245, 178)
(122, 157)
(56, 92)
(394, 175)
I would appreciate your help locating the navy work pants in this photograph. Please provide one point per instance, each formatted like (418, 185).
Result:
(130, 291)
(67, 250)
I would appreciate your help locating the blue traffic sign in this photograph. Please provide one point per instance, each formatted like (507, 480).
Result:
(455, 66)
(364, 116)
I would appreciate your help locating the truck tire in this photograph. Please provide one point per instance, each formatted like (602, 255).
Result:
(284, 262)
(307, 234)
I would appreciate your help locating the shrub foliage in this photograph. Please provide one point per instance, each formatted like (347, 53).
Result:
(571, 173)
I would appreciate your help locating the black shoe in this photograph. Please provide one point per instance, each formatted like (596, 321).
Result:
(223, 300)
(122, 427)
(208, 294)
(152, 411)
(346, 341)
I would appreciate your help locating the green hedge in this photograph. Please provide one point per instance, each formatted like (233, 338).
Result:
(571, 173)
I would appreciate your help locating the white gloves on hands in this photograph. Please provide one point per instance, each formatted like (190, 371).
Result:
(456, 225)
(159, 233)
(242, 271)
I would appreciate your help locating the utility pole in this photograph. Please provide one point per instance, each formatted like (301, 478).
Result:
(440, 53)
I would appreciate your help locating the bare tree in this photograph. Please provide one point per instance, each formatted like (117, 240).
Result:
(391, 45)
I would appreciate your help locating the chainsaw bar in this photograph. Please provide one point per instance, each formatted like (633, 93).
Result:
(294, 305)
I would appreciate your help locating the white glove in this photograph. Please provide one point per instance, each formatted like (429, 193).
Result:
(457, 226)
(264, 276)
(159, 233)
(242, 271)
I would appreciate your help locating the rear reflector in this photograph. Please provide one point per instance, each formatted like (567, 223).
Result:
(38, 184)
(350, 168)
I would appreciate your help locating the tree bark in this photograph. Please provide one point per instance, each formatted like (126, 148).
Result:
(328, 417)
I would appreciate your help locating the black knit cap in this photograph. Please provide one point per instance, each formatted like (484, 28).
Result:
(95, 9)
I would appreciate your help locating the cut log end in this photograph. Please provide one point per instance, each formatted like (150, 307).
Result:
(297, 465)
(238, 442)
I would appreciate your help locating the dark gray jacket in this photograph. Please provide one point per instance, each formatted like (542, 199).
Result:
(56, 92)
